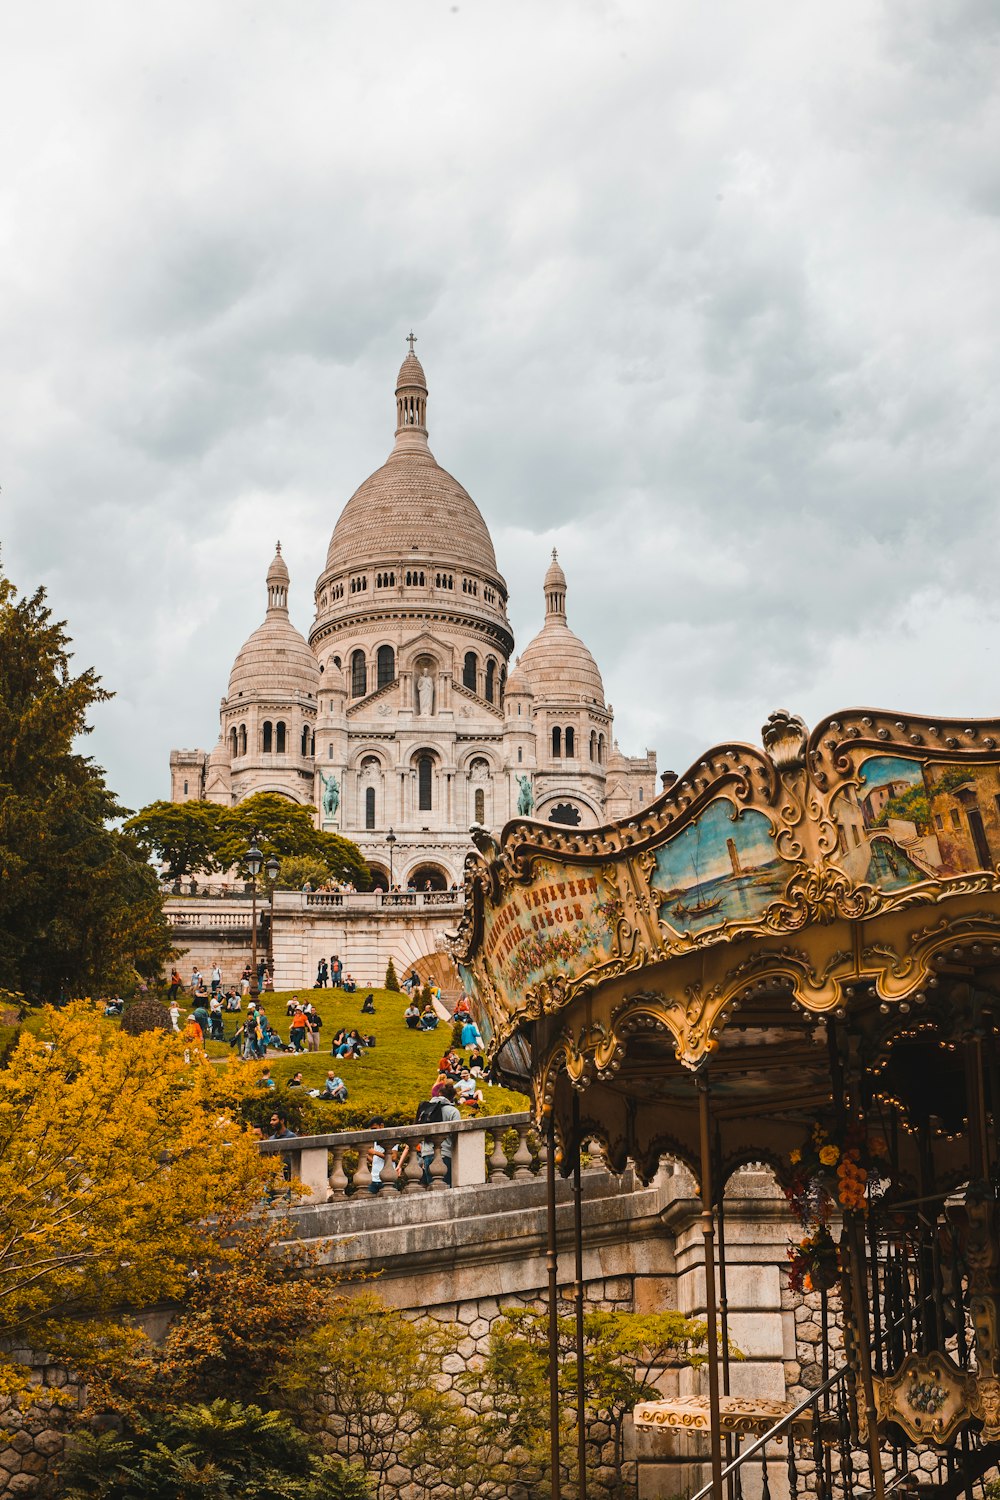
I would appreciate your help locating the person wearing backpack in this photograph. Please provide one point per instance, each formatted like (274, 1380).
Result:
(430, 1113)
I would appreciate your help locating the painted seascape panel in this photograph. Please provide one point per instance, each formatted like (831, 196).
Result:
(909, 821)
(563, 922)
(722, 868)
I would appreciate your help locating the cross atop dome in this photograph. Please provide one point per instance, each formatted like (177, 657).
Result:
(411, 339)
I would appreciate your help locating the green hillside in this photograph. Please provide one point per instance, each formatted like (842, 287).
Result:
(391, 1078)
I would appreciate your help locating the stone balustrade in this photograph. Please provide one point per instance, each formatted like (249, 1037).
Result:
(202, 909)
(325, 1164)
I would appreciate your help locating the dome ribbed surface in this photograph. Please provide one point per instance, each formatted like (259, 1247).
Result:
(276, 659)
(411, 373)
(559, 667)
(411, 502)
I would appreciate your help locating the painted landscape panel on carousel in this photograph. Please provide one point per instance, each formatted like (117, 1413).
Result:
(563, 922)
(722, 868)
(910, 821)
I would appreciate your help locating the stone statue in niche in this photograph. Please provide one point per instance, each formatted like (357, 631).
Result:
(425, 693)
(331, 794)
(525, 797)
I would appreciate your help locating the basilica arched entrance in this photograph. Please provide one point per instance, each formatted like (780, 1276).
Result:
(429, 877)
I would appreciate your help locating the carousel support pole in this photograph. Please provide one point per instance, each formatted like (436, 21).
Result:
(581, 1372)
(552, 1265)
(711, 1312)
(975, 1101)
(724, 1297)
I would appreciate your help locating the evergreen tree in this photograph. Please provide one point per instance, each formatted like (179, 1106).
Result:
(79, 905)
(391, 982)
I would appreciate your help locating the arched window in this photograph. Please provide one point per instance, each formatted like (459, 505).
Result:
(370, 807)
(570, 742)
(329, 751)
(305, 739)
(233, 743)
(556, 742)
(243, 739)
(600, 748)
(267, 738)
(503, 683)
(470, 671)
(280, 747)
(480, 805)
(424, 783)
(593, 744)
(359, 675)
(386, 666)
(491, 672)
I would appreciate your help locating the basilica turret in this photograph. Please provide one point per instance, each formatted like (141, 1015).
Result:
(269, 714)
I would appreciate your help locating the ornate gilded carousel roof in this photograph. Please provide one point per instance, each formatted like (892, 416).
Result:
(850, 872)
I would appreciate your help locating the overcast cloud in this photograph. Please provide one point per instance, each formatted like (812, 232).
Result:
(707, 297)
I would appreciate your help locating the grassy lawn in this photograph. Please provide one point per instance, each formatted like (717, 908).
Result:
(391, 1078)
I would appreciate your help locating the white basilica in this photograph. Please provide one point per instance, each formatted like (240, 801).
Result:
(402, 710)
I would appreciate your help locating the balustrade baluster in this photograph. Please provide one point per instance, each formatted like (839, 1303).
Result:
(414, 1171)
(362, 1172)
(765, 1482)
(498, 1158)
(390, 1176)
(824, 1489)
(339, 1181)
(523, 1162)
(844, 1441)
(793, 1473)
(438, 1168)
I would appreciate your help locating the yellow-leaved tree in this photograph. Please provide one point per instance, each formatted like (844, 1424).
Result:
(123, 1170)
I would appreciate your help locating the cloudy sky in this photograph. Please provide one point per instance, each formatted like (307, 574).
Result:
(707, 296)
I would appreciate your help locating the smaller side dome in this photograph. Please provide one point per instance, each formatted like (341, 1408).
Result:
(554, 586)
(557, 664)
(517, 684)
(276, 658)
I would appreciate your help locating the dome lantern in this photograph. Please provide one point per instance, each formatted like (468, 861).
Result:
(411, 401)
(555, 590)
(277, 583)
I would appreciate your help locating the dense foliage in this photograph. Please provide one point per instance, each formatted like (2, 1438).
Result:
(79, 906)
(122, 1167)
(215, 1452)
(202, 838)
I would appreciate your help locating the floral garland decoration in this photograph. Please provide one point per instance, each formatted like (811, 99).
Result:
(831, 1172)
(814, 1263)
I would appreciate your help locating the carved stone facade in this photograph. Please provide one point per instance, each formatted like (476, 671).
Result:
(398, 712)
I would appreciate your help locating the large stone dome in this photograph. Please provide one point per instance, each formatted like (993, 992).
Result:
(276, 659)
(556, 663)
(411, 503)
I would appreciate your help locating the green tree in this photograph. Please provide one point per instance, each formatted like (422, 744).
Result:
(911, 805)
(212, 1451)
(287, 830)
(184, 835)
(380, 1374)
(391, 982)
(297, 869)
(623, 1352)
(79, 906)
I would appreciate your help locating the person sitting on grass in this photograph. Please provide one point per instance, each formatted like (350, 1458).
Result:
(411, 1015)
(439, 1087)
(266, 1081)
(368, 1007)
(334, 1088)
(296, 1081)
(350, 984)
(428, 1018)
(467, 1091)
(477, 1062)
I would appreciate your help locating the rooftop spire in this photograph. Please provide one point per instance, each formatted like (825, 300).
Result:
(411, 401)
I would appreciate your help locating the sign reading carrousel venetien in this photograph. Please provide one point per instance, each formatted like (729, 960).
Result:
(563, 921)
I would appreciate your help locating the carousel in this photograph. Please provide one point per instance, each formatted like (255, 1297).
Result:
(792, 958)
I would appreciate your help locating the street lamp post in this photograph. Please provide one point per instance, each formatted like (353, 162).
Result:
(272, 867)
(390, 839)
(253, 860)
